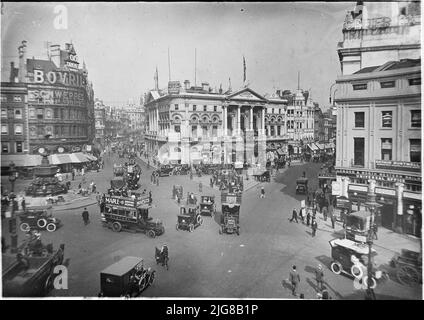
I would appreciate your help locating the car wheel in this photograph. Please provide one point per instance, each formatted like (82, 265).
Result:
(191, 227)
(51, 227)
(373, 283)
(117, 227)
(151, 278)
(48, 284)
(170, 174)
(356, 271)
(151, 234)
(336, 267)
(41, 223)
(24, 227)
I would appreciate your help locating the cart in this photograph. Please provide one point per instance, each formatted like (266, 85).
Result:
(207, 205)
(358, 225)
(408, 266)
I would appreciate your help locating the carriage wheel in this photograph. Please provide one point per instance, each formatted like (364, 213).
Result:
(41, 223)
(151, 278)
(407, 275)
(51, 227)
(373, 282)
(177, 227)
(336, 267)
(117, 227)
(191, 227)
(48, 285)
(24, 227)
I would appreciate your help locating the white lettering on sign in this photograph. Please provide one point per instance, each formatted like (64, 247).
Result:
(60, 77)
(38, 76)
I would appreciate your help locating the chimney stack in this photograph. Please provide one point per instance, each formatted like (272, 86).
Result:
(55, 54)
(205, 86)
(186, 84)
(22, 50)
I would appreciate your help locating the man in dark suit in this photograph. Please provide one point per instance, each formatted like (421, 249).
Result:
(294, 280)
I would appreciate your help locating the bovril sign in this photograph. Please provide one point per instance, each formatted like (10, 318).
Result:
(66, 78)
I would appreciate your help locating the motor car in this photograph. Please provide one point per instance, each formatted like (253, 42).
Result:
(189, 218)
(230, 215)
(207, 205)
(38, 218)
(126, 278)
(302, 185)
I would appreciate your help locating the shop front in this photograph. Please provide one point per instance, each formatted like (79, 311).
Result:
(411, 219)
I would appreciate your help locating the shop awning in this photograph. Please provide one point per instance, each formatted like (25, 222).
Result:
(90, 157)
(78, 157)
(21, 160)
(60, 158)
(312, 146)
(280, 152)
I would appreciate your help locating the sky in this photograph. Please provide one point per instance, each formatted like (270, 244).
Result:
(122, 43)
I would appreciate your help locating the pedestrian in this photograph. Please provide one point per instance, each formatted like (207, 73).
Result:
(301, 215)
(191, 175)
(325, 213)
(211, 182)
(79, 186)
(294, 280)
(150, 198)
(98, 198)
(294, 216)
(157, 181)
(319, 277)
(73, 174)
(374, 230)
(262, 192)
(23, 204)
(200, 187)
(308, 216)
(333, 220)
(314, 226)
(85, 217)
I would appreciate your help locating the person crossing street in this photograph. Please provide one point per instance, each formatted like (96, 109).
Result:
(85, 216)
(294, 216)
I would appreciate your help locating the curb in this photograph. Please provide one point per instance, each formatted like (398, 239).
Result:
(66, 207)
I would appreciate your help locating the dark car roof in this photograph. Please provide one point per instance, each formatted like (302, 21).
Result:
(122, 266)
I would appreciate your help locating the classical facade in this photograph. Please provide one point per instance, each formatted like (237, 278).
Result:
(379, 138)
(194, 124)
(377, 32)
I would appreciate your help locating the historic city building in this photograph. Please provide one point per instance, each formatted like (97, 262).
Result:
(59, 104)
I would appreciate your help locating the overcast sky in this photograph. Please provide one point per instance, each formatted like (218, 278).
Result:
(122, 43)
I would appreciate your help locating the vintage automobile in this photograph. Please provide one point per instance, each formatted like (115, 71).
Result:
(130, 214)
(181, 169)
(302, 185)
(207, 205)
(165, 170)
(408, 266)
(191, 199)
(126, 278)
(351, 258)
(30, 275)
(358, 225)
(230, 216)
(38, 218)
(263, 176)
(189, 218)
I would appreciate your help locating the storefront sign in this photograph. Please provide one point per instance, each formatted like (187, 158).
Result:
(56, 96)
(385, 191)
(67, 78)
(336, 188)
(398, 165)
(120, 202)
(416, 196)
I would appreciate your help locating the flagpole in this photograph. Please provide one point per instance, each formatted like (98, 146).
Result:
(195, 61)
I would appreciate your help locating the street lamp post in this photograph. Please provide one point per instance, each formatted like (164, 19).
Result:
(13, 174)
(372, 205)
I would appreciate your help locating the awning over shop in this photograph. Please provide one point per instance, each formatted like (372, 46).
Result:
(21, 160)
(90, 157)
(78, 157)
(280, 152)
(313, 147)
(62, 158)
(320, 146)
(330, 145)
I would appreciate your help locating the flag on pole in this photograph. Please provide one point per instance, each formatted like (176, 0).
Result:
(244, 70)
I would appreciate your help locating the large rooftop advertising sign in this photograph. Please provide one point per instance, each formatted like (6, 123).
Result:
(66, 78)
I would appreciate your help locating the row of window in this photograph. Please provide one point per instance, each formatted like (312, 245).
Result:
(5, 147)
(386, 150)
(57, 131)
(17, 113)
(56, 113)
(386, 84)
(205, 108)
(14, 99)
(387, 119)
(18, 129)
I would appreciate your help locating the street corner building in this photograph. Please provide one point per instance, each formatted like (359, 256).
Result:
(47, 104)
(379, 112)
(197, 124)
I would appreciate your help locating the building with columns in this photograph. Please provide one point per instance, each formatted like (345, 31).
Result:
(196, 124)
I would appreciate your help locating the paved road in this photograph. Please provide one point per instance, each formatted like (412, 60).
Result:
(204, 263)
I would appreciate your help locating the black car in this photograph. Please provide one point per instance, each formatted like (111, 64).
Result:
(165, 170)
(189, 218)
(38, 219)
